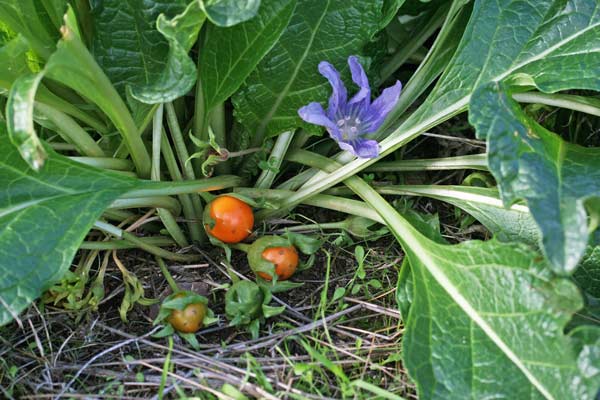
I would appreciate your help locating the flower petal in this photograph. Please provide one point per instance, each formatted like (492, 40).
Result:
(314, 114)
(360, 78)
(381, 107)
(339, 96)
(363, 148)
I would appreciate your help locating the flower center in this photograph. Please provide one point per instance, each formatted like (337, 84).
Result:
(349, 127)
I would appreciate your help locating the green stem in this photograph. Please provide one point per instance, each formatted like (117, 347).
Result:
(335, 203)
(266, 178)
(45, 96)
(165, 215)
(157, 251)
(70, 131)
(149, 188)
(167, 274)
(413, 44)
(240, 246)
(474, 161)
(576, 103)
(166, 202)
(183, 155)
(196, 232)
(116, 164)
(217, 122)
(201, 113)
(123, 244)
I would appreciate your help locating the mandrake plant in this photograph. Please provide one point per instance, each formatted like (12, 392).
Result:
(115, 111)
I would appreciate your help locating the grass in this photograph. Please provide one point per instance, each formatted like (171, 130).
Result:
(338, 338)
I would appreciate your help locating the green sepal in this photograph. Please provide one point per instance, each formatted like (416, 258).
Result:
(306, 244)
(278, 286)
(191, 339)
(167, 330)
(255, 258)
(270, 311)
(254, 328)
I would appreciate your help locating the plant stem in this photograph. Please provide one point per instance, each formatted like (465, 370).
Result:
(576, 103)
(47, 97)
(266, 178)
(184, 199)
(131, 238)
(183, 155)
(70, 131)
(167, 274)
(474, 161)
(165, 215)
(123, 244)
(201, 113)
(240, 246)
(166, 202)
(149, 188)
(217, 122)
(115, 164)
(341, 204)
(413, 44)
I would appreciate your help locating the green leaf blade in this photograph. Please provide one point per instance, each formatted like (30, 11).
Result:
(229, 55)
(530, 162)
(43, 219)
(227, 13)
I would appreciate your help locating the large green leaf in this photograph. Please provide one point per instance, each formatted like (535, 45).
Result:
(14, 62)
(179, 74)
(587, 278)
(287, 78)
(483, 307)
(229, 54)
(43, 219)
(229, 12)
(127, 44)
(451, 356)
(555, 177)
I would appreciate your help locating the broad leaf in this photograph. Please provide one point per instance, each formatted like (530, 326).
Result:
(481, 307)
(587, 278)
(453, 349)
(555, 177)
(127, 44)
(43, 219)
(229, 54)
(229, 12)
(179, 74)
(287, 78)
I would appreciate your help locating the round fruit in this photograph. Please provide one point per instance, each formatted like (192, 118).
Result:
(285, 260)
(188, 320)
(231, 219)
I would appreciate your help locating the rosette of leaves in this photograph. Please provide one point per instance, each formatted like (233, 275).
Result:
(179, 301)
(247, 304)
(303, 243)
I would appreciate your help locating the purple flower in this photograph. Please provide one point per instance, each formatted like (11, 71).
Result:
(348, 121)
